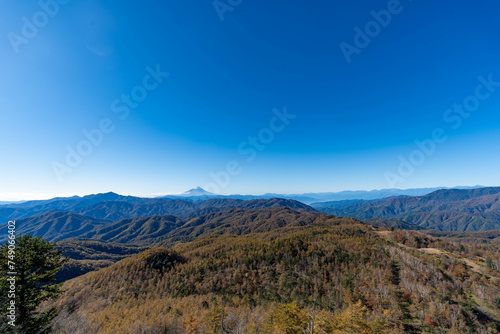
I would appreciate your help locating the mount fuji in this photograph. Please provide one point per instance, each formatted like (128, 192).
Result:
(198, 191)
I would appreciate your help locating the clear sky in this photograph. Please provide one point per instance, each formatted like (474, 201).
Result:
(247, 96)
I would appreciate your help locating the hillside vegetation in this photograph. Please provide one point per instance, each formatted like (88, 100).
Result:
(113, 207)
(486, 238)
(88, 255)
(56, 226)
(170, 230)
(280, 271)
(444, 210)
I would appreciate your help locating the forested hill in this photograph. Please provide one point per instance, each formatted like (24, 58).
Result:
(444, 210)
(169, 230)
(335, 274)
(113, 207)
(57, 226)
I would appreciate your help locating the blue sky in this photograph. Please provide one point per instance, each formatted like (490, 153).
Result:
(351, 125)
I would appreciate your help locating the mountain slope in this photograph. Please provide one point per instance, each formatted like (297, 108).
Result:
(169, 230)
(114, 207)
(86, 255)
(144, 222)
(70, 204)
(446, 210)
(142, 230)
(395, 223)
(56, 226)
(342, 274)
(116, 210)
(243, 222)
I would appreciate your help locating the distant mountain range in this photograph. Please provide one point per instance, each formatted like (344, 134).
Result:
(443, 210)
(199, 194)
(165, 229)
(85, 215)
(10, 202)
(112, 207)
(116, 218)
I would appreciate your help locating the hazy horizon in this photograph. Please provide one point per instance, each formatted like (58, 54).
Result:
(33, 197)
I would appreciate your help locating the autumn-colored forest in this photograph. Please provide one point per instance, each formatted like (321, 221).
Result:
(329, 275)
